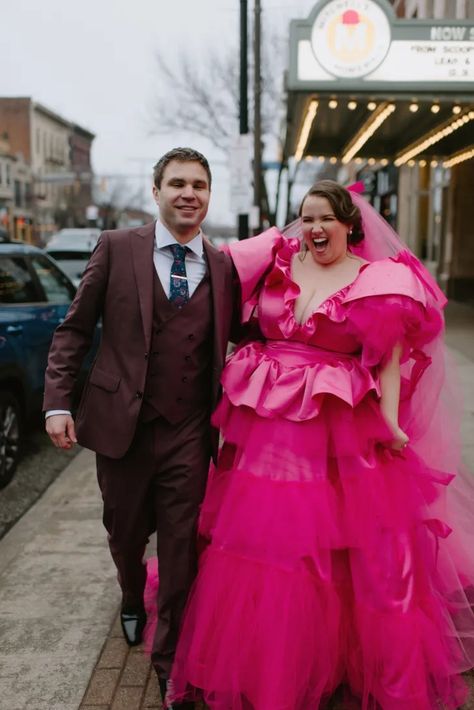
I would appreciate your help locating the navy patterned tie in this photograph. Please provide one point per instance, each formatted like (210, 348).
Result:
(179, 293)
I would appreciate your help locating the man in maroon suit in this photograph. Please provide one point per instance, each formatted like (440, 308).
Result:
(164, 295)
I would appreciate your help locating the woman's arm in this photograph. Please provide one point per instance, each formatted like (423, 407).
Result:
(390, 398)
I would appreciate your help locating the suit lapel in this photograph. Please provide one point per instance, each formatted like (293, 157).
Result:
(142, 243)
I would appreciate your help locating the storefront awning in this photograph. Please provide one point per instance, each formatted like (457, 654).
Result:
(363, 84)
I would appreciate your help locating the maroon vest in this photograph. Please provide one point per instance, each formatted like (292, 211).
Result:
(178, 380)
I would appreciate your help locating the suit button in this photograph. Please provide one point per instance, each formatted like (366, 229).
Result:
(146, 356)
(184, 379)
(158, 331)
(187, 358)
(191, 336)
(179, 399)
(138, 395)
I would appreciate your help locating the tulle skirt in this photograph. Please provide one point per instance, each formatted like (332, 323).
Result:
(327, 558)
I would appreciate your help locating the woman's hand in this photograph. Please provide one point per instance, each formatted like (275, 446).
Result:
(400, 439)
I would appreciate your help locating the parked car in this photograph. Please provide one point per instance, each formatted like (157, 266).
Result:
(71, 249)
(34, 297)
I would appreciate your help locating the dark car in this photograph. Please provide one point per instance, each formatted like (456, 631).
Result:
(34, 298)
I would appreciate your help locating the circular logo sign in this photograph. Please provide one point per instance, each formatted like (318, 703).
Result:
(350, 38)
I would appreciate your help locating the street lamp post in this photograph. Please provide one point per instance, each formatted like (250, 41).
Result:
(243, 113)
(257, 134)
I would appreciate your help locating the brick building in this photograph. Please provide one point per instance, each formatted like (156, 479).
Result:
(57, 152)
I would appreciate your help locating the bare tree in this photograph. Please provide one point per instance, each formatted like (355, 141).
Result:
(112, 195)
(197, 98)
(202, 98)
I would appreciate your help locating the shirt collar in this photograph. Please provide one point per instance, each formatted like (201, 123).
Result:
(164, 238)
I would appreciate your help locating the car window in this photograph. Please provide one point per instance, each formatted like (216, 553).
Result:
(69, 255)
(16, 282)
(56, 285)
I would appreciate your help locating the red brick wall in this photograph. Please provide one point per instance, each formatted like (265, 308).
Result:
(15, 121)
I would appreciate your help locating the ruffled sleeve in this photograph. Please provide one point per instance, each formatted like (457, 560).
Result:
(252, 259)
(391, 303)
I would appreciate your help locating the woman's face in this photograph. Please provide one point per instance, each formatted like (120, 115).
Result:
(324, 235)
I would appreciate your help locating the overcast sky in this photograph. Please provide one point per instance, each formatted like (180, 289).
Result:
(93, 62)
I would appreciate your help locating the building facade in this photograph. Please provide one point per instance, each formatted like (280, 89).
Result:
(383, 93)
(57, 153)
(434, 199)
(16, 214)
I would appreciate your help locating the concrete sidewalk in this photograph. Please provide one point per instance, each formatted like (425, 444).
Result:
(61, 645)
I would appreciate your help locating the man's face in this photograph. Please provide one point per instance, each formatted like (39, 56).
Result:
(183, 198)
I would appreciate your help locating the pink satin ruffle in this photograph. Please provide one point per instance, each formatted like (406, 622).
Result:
(288, 379)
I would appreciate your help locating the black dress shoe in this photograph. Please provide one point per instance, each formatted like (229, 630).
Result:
(164, 687)
(133, 622)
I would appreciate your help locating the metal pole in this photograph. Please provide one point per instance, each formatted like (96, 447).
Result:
(257, 135)
(243, 230)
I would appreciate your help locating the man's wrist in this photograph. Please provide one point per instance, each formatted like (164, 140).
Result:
(54, 412)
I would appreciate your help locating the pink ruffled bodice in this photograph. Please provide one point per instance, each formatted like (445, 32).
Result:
(338, 349)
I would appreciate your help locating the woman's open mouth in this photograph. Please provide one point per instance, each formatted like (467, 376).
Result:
(320, 243)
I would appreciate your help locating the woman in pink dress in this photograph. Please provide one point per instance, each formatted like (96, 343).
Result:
(328, 553)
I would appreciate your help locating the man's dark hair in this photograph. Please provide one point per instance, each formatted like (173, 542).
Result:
(183, 155)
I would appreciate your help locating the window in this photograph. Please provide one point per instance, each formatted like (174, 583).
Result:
(16, 283)
(18, 194)
(56, 285)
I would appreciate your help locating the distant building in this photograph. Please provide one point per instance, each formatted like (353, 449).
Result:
(80, 198)
(16, 215)
(58, 154)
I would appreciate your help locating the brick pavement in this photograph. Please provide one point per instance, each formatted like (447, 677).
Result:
(123, 679)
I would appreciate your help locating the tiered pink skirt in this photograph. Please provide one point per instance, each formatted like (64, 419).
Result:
(327, 556)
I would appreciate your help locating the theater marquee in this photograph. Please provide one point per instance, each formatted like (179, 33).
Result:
(360, 44)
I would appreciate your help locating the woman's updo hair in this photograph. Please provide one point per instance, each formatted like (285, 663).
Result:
(344, 209)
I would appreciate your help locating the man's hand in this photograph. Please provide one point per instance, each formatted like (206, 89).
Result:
(60, 428)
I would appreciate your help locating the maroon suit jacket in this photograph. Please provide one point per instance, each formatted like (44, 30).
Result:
(117, 286)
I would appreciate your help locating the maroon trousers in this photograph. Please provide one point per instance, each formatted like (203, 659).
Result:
(158, 485)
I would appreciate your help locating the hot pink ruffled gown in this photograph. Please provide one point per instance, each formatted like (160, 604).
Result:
(325, 558)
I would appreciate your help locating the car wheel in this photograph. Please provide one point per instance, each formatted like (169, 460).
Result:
(10, 433)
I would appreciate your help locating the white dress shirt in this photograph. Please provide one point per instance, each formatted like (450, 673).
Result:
(163, 258)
